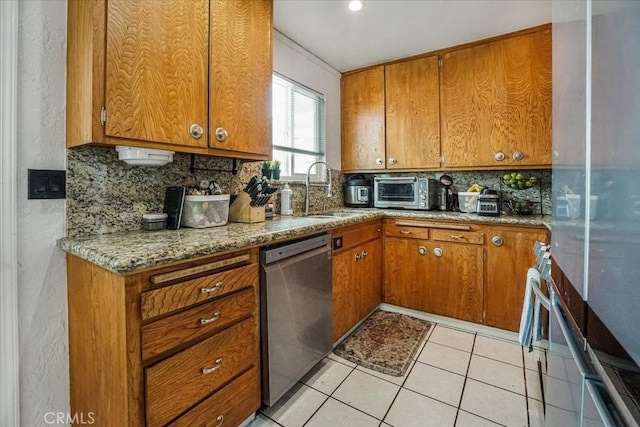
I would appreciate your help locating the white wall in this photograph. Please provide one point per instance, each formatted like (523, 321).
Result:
(42, 295)
(298, 64)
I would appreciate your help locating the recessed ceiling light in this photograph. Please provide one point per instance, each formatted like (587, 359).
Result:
(355, 5)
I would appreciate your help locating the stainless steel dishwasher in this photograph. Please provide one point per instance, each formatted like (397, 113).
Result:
(296, 314)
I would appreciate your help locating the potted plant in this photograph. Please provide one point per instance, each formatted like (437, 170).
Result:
(267, 171)
(275, 169)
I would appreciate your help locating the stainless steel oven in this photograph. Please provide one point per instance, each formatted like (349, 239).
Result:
(408, 192)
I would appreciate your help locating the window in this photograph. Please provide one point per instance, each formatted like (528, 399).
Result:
(298, 129)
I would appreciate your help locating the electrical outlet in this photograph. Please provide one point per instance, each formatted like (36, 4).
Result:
(337, 242)
(46, 184)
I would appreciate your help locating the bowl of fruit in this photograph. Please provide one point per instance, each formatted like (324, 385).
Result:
(521, 207)
(518, 181)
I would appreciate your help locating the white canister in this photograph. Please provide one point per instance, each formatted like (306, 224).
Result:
(285, 201)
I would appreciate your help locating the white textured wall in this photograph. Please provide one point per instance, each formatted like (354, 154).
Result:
(44, 365)
(294, 62)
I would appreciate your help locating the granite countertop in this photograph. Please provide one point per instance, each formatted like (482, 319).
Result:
(124, 253)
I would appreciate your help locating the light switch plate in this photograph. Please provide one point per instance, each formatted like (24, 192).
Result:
(46, 184)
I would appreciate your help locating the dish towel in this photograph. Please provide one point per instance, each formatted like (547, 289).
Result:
(530, 327)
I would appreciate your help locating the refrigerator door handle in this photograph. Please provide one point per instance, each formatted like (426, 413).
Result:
(601, 407)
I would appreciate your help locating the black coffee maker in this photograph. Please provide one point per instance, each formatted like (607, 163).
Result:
(448, 196)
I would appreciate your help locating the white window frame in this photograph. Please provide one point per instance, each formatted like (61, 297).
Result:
(319, 173)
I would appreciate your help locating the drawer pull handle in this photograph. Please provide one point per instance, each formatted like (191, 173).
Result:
(218, 286)
(215, 317)
(405, 232)
(199, 269)
(433, 225)
(220, 420)
(456, 236)
(215, 368)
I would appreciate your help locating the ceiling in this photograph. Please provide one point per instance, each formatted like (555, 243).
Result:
(389, 29)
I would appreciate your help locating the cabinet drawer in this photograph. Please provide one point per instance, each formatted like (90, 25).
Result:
(391, 229)
(177, 383)
(172, 331)
(353, 236)
(476, 238)
(229, 406)
(183, 294)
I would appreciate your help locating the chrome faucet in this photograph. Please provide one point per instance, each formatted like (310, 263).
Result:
(308, 184)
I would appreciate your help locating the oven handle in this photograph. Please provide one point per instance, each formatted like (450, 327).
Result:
(603, 411)
(568, 336)
(542, 297)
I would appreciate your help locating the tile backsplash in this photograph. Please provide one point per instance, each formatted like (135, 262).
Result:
(105, 195)
(462, 180)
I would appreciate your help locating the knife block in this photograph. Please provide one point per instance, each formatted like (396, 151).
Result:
(241, 210)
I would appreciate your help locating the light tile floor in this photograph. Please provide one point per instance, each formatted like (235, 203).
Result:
(458, 378)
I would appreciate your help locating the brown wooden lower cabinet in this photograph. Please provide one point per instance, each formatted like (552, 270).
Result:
(174, 345)
(227, 407)
(460, 273)
(357, 275)
(437, 277)
(509, 256)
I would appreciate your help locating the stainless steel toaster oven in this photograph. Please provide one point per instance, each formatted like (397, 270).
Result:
(408, 192)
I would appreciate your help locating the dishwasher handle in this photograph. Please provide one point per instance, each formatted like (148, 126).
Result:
(288, 250)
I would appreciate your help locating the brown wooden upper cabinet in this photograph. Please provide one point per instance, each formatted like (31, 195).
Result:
(390, 117)
(185, 76)
(496, 103)
(488, 105)
(412, 108)
(362, 101)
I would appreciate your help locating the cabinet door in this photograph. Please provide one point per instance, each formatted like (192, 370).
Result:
(455, 287)
(473, 94)
(345, 293)
(369, 275)
(528, 69)
(449, 285)
(407, 272)
(240, 73)
(363, 129)
(412, 114)
(156, 70)
(507, 267)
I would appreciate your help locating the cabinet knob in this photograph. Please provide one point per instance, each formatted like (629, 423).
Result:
(220, 420)
(422, 250)
(497, 241)
(393, 161)
(518, 155)
(196, 131)
(499, 156)
(357, 256)
(221, 134)
(379, 161)
(437, 252)
(364, 254)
